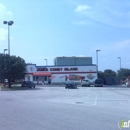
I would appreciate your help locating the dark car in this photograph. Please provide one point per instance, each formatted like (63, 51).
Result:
(70, 84)
(29, 84)
(98, 83)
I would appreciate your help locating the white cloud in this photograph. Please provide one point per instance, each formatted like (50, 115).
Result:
(113, 50)
(81, 56)
(2, 6)
(124, 44)
(3, 34)
(9, 13)
(81, 8)
(4, 13)
(106, 12)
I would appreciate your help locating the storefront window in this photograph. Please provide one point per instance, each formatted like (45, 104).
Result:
(34, 78)
(45, 78)
(28, 78)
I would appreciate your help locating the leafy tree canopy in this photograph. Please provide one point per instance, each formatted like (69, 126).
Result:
(123, 73)
(109, 72)
(12, 67)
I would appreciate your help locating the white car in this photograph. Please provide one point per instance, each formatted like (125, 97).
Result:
(127, 84)
(85, 83)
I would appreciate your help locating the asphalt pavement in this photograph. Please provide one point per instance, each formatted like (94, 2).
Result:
(57, 108)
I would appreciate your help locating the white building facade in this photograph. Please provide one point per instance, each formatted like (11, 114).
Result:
(60, 74)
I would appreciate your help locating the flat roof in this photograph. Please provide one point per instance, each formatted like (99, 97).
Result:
(64, 65)
(60, 65)
(72, 57)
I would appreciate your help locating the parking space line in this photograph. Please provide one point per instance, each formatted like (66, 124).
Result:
(95, 102)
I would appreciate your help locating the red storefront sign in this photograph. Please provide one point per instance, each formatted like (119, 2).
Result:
(57, 69)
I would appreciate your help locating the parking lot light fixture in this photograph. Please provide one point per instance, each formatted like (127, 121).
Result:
(5, 50)
(10, 23)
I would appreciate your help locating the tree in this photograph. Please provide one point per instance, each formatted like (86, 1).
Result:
(109, 73)
(100, 75)
(123, 73)
(12, 68)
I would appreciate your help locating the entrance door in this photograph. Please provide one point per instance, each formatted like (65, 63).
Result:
(28, 78)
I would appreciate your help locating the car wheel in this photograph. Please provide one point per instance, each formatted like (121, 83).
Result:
(82, 85)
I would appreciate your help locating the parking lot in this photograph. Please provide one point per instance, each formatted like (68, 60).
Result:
(57, 108)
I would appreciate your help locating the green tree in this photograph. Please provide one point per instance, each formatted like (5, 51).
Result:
(12, 68)
(123, 73)
(109, 73)
(100, 75)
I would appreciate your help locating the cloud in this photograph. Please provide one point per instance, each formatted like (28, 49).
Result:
(123, 44)
(3, 34)
(81, 8)
(4, 13)
(117, 48)
(9, 13)
(2, 6)
(81, 56)
(106, 12)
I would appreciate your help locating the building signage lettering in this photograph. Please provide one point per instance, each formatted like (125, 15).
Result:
(57, 69)
(42, 69)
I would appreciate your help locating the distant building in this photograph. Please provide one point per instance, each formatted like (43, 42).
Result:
(59, 74)
(64, 69)
(72, 61)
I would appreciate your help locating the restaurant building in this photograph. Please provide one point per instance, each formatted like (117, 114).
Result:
(60, 74)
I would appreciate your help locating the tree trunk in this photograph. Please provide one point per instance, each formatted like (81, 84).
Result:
(9, 83)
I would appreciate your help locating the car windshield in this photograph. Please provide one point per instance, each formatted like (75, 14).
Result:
(27, 82)
(85, 80)
(98, 81)
(69, 82)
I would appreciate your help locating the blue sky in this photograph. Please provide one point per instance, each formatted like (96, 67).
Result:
(45, 29)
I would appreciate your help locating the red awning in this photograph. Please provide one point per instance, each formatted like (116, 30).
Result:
(41, 74)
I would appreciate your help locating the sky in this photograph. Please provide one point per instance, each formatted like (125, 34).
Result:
(45, 29)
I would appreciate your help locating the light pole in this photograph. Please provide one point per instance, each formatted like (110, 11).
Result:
(97, 59)
(5, 50)
(120, 62)
(9, 24)
(120, 68)
(46, 61)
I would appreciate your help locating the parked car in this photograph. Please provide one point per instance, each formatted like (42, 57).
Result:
(70, 84)
(29, 84)
(98, 83)
(85, 83)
